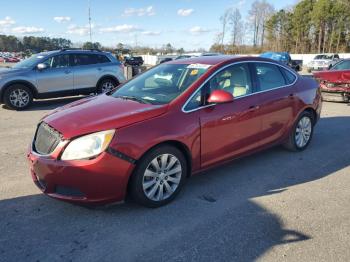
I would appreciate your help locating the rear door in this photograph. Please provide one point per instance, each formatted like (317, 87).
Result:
(277, 100)
(57, 77)
(86, 70)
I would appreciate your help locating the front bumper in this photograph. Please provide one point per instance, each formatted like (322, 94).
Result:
(102, 180)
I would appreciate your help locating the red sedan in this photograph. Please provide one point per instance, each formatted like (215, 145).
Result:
(335, 83)
(176, 119)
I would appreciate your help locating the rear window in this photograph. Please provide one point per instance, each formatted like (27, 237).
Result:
(269, 76)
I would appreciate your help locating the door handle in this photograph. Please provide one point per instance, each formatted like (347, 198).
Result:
(99, 69)
(291, 95)
(253, 108)
(67, 72)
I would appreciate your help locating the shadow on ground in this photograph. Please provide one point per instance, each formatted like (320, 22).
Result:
(213, 219)
(50, 104)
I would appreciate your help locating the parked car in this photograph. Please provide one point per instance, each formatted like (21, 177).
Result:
(212, 54)
(134, 61)
(335, 82)
(285, 58)
(164, 60)
(322, 62)
(183, 57)
(59, 73)
(176, 119)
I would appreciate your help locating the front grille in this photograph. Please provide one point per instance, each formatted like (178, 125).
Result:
(46, 139)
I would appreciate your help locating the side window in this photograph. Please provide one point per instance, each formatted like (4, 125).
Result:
(59, 61)
(344, 65)
(84, 59)
(234, 79)
(269, 76)
(103, 59)
(290, 77)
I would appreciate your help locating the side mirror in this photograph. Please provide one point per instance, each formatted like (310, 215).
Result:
(330, 66)
(220, 97)
(41, 66)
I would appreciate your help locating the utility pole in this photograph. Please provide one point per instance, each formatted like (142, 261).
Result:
(90, 21)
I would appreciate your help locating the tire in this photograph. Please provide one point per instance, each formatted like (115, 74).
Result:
(301, 133)
(18, 97)
(146, 189)
(106, 85)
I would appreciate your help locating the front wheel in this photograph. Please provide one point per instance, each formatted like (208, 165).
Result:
(301, 134)
(159, 176)
(18, 97)
(106, 85)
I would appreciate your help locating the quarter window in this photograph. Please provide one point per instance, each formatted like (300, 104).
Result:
(290, 77)
(269, 76)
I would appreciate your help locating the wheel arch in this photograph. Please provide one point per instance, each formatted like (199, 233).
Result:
(175, 143)
(311, 111)
(19, 82)
(109, 76)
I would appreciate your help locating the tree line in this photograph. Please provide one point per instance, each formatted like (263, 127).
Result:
(9, 43)
(311, 26)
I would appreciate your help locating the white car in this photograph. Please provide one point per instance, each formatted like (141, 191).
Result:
(322, 62)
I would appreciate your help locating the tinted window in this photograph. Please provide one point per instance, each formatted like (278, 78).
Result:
(102, 59)
(84, 59)
(269, 76)
(343, 65)
(58, 61)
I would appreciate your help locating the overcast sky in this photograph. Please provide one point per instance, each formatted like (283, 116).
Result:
(190, 24)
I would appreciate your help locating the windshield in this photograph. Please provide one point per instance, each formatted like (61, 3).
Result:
(29, 62)
(323, 57)
(161, 84)
(343, 65)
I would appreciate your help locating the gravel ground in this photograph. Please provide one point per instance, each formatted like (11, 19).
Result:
(272, 206)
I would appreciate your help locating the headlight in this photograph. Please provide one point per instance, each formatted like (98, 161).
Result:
(88, 146)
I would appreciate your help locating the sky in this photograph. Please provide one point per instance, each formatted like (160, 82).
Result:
(190, 24)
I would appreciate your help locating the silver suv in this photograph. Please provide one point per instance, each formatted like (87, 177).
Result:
(59, 73)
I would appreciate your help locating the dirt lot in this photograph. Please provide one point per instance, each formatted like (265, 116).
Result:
(272, 206)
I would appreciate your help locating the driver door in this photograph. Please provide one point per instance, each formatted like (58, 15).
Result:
(57, 76)
(233, 128)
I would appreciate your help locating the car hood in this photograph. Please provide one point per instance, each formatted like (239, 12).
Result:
(100, 113)
(333, 76)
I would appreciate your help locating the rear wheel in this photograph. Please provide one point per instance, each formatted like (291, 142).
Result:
(301, 134)
(106, 85)
(18, 97)
(159, 177)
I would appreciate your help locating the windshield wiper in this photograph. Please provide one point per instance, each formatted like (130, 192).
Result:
(134, 98)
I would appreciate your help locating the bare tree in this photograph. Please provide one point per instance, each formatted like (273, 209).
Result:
(224, 19)
(259, 13)
(235, 20)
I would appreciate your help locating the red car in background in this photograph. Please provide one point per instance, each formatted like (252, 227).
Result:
(335, 82)
(176, 119)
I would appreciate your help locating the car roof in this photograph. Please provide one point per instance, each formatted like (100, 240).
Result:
(216, 60)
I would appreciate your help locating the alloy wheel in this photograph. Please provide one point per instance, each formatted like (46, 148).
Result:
(19, 98)
(162, 177)
(107, 86)
(303, 132)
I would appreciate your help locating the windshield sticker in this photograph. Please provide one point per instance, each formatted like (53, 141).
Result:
(198, 66)
(194, 72)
